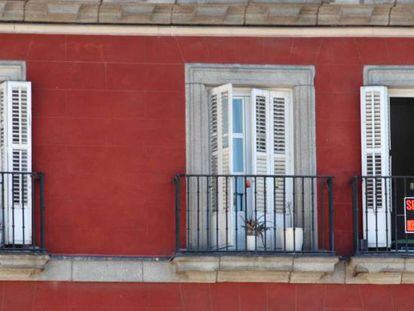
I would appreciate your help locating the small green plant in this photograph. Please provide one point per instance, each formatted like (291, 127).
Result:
(255, 227)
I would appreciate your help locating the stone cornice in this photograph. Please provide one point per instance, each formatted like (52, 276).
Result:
(211, 12)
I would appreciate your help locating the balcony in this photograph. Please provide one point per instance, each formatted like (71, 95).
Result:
(238, 214)
(22, 224)
(22, 212)
(379, 215)
(384, 246)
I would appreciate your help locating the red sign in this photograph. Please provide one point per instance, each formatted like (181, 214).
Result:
(409, 214)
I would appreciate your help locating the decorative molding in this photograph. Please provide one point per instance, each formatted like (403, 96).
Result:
(131, 13)
(208, 14)
(16, 266)
(204, 269)
(402, 15)
(212, 12)
(12, 10)
(56, 11)
(380, 270)
(355, 15)
(260, 75)
(391, 76)
(210, 269)
(286, 14)
(207, 31)
(12, 70)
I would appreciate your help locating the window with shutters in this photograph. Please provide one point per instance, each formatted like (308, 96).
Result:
(16, 163)
(250, 135)
(387, 170)
(250, 130)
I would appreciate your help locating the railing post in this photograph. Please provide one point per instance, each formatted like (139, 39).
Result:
(42, 211)
(331, 214)
(355, 213)
(177, 203)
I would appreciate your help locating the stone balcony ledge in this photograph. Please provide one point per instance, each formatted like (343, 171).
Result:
(20, 266)
(209, 269)
(282, 269)
(380, 270)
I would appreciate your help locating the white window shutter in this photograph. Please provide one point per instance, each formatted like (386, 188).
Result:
(262, 146)
(375, 146)
(272, 140)
(272, 155)
(282, 151)
(16, 152)
(221, 144)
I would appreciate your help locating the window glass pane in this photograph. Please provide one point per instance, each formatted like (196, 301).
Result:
(237, 115)
(239, 185)
(238, 156)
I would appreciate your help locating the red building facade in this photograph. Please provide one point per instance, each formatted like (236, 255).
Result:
(109, 134)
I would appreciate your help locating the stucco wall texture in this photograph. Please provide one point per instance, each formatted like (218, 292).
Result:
(200, 297)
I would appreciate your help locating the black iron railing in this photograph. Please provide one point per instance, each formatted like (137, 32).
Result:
(378, 214)
(22, 211)
(254, 213)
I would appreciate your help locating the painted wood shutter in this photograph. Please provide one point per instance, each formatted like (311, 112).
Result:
(272, 154)
(282, 152)
(375, 146)
(221, 142)
(16, 153)
(262, 148)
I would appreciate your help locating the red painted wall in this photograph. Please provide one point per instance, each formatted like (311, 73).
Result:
(109, 129)
(48, 296)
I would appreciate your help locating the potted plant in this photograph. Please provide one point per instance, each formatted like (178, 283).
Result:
(255, 228)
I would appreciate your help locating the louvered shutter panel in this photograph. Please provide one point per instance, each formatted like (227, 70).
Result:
(221, 142)
(16, 152)
(375, 141)
(262, 145)
(262, 156)
(272, 155)
(282, 151)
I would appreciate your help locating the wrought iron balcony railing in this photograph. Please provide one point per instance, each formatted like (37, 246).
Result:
(381, 221)
(22, 215)
(254, 213)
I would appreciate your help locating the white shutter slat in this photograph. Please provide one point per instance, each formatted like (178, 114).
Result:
(375, 142)
(17, 157)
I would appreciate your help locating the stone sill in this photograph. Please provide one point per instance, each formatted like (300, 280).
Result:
(380, 270)
(281, 269)
(16, 266)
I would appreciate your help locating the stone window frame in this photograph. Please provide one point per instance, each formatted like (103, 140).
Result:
(12, 71)
(378, 269)
(199, 78)
(394, 77)
(401, 76)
